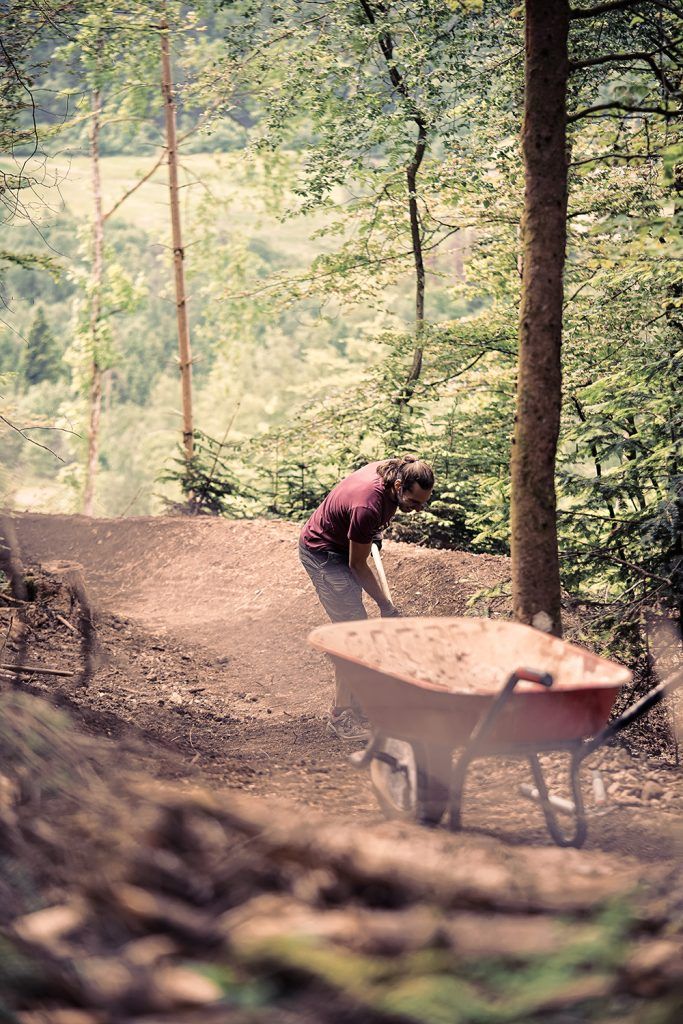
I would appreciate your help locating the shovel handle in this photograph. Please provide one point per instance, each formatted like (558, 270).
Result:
(377, 559)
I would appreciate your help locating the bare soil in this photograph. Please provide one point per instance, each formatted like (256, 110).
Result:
(202, 630)
(200, 849)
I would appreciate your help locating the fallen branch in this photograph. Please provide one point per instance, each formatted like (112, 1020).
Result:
(12, 566)
(65, 622)
(36, 669)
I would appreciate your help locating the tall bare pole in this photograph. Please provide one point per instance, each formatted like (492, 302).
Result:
(535, 560)
(95, 307)
(184, 350)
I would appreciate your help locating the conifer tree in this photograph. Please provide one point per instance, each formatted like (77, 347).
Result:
(42, 358)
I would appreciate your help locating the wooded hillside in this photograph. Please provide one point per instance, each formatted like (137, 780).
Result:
(356, 258)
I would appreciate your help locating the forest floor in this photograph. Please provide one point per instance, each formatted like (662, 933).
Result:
(205, 681)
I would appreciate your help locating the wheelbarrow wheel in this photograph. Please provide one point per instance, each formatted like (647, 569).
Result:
(410, 781)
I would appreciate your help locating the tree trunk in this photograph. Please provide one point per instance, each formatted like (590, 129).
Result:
(95, 308)
(535, 560)
(386, 45)
(184, 350)
(675, 322)
(416, 238)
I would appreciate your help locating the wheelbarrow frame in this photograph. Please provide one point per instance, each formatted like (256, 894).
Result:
(435, 720)
(436, 793)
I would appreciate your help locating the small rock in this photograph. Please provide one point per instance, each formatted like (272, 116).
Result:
(651, 791)
(147, 952)
(654, 967)
(179, 986)
(46, 927)
(105, 980)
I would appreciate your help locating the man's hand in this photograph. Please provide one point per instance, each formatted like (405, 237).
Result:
(389, 611)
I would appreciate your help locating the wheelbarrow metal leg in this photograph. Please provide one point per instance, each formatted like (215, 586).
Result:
(434, 765)
(479, 734)
(362, 758)
(578, 837)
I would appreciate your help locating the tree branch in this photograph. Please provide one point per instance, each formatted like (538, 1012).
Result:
(579, 13)
(30, 439)
(137, 185)
(625, 157)
(668, 115)
(608, 58)
(611, 58)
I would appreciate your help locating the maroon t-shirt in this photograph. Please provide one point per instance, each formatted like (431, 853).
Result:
(355, 510)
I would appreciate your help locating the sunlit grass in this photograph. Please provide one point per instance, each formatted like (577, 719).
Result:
(236, 187)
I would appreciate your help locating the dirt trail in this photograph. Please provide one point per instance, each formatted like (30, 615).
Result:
(236, 590)
(203, 629)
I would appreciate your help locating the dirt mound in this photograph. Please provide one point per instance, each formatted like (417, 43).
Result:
(197, 657)
(237, 591)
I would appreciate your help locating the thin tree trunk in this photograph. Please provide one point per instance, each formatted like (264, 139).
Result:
(416, 237)
(184, 350)
(95, 308)
(386, 45)
(675, 321)
(598, 472)
(535, 560)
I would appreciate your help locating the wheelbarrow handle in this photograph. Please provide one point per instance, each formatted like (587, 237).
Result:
(529, 675)
(641, 707)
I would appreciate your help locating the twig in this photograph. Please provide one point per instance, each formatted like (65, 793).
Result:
(132, 501)
(207, 484)
(137, 185)
(8, 633)
(69, 625)
(35, 669)
(30, 439)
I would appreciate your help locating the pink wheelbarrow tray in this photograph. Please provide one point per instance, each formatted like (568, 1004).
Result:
(490, 687)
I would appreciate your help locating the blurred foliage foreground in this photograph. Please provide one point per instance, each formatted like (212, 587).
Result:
(123, 899)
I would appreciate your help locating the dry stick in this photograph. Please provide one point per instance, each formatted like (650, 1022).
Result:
(8, 633)
(86, 623)
(30, 439)
(35, 669)
(65, 622)
(11, 564)
(130, 504)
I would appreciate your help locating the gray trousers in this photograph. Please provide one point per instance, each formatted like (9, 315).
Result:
(340, 594)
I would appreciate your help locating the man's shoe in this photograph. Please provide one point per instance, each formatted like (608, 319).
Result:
(347, 726)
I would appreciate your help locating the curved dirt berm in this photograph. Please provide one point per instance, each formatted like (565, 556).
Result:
(237, 588)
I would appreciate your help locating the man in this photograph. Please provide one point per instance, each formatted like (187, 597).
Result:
(334, 547)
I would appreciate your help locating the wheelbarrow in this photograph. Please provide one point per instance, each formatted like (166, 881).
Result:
(431, 685)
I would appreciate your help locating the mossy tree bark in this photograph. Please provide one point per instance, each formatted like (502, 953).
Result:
(535, 559)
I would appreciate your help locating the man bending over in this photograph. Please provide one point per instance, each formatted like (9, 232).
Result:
(334, 547)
